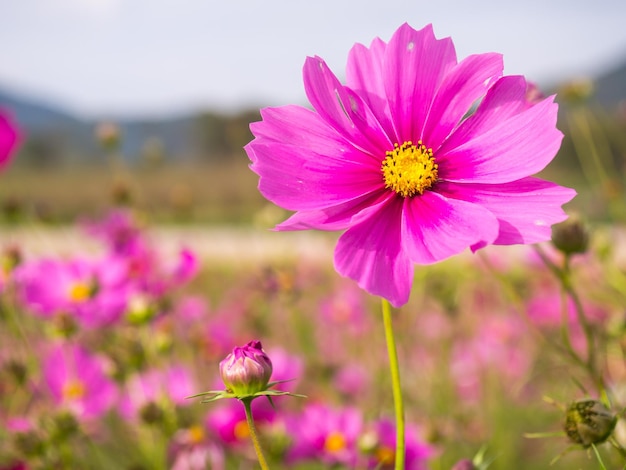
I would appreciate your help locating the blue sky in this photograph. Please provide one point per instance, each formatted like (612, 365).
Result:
(143, 57)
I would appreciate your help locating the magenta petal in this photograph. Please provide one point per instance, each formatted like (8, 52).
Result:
(332, 218)
(304, 164)
(298, 179)
(370, 252)
(364, 75)
(467, 82)
(343, 109)
(505, 140)
(415, 64)
(526, 209)
(8, 140)
(435, 227)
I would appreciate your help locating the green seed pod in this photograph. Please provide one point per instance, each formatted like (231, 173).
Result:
(571, 236)
(589, 422)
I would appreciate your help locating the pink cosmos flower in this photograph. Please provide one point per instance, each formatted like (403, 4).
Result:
(94, 292)
(227, 422)
(393, 158)
(171, 385)
(9, 138)
(78, 381)
(382, 436)
(326, 434)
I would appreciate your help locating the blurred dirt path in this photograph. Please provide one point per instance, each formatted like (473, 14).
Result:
(223, 244)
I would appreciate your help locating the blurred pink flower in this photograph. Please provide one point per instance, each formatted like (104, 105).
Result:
(9, 138)
(383, 435)
(94, 292)
(227, 421)
(352, 380)
(499, 347)
(391, 158)
(325, 434)
(345, 309)
(157, 386)
(286, 367)
(78, 381)
(190, 449)
(545, 309)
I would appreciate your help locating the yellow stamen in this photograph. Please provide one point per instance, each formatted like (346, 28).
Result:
(334, 442)
(80, 292)
(409, 169)
(242, 431)
(73, 390)
(385, 455)
(196, 434)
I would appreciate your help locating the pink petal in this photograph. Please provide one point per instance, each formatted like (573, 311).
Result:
(364, 75)
(415, 64)
(526, 209)
(338, 217)
(435, 227)
(463, 85)
(370, 252)
(8, 140)
(343, 109)
(298, 179)
(504, 140)
(304, 164)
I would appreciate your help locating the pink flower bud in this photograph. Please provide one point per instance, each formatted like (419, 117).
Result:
(247, 370)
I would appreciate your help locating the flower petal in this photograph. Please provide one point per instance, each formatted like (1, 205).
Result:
(435, 227)
(9, 138)
(370, 252)
(463, 85)
(343, 109)
(506, 139)
(337, 217)
(526, 209)
(415, 64)
(303, 164)
(364, 75)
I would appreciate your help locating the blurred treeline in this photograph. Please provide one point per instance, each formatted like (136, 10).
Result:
(194, 169)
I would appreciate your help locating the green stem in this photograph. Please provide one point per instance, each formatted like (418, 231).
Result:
(253, 434)
(395, 385)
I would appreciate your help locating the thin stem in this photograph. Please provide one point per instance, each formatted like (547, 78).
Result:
(253, 435)
(595, 450)
(395, 384)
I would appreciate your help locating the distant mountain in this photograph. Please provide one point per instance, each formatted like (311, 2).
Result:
(610, 87)
(54, 135)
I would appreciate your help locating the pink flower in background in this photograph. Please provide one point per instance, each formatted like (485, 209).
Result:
(381, 441)
(9, 139)
(499, 348)
(228, 422)
(352, 379)
(325, 434)
(78, 381)
(286, 366)
(391, 158)
(94, 292)
(158, 386)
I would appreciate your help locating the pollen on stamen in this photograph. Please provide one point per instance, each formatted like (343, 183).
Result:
(409, 169)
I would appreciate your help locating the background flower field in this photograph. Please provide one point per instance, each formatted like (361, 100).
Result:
(127, 276)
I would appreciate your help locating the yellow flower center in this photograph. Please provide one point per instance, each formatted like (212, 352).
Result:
(80, 291)
(409, 169)
(334, 442)
(196, 434)
(385, 455)
(73, 390)
(242, 431)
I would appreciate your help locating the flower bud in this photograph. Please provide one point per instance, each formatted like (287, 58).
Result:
(571, 237)
(589, 422)
(247, 370)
